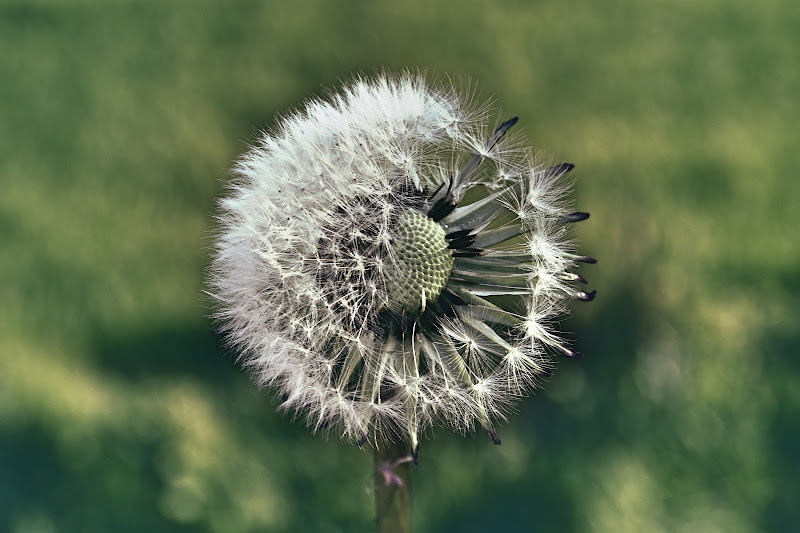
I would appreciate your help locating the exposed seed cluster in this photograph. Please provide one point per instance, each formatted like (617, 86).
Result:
(421, 264)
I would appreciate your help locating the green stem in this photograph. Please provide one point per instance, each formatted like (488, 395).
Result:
(393, 501)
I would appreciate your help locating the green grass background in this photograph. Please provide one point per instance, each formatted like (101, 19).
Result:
(120, 411)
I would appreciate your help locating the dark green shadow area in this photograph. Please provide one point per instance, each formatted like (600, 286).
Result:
(169, 353)
(782, 366)
(109, 485)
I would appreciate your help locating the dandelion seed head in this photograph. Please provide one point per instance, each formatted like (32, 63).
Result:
(387, 262)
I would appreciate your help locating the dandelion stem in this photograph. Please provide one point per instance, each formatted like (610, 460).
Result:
(393, 489)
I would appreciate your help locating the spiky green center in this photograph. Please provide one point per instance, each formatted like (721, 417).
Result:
(421, 264)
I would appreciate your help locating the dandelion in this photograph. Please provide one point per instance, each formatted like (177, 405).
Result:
(387, 263)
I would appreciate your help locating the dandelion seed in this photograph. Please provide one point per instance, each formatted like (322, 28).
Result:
(386, 265)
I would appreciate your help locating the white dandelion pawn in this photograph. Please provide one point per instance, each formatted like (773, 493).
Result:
(386, 264)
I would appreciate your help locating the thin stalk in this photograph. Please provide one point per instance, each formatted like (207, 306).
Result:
(393, 489)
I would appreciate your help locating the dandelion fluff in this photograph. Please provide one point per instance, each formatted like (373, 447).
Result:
(388, 263)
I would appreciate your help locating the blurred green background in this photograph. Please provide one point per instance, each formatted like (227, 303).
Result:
(120, 411)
